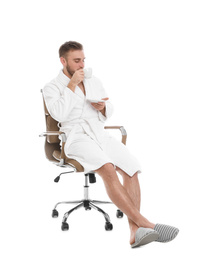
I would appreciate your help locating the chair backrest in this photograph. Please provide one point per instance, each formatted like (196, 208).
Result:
(52, 142)
(51, 125)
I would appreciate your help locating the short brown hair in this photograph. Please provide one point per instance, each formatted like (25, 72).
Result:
(67, 46)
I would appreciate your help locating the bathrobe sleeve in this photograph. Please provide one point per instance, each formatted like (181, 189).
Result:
(108, 112)
(108, 109)
(59, 102)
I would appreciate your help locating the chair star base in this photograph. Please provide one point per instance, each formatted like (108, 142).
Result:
(88, 204)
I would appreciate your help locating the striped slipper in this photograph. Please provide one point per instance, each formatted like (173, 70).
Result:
(144, 236)
(166, 233)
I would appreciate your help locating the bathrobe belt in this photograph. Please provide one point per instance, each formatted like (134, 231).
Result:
(89, 126)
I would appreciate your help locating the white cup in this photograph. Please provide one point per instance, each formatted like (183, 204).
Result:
(87, 73)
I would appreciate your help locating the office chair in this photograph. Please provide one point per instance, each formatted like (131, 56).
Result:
(55, 153)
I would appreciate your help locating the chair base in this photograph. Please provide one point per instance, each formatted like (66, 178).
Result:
(88, 204)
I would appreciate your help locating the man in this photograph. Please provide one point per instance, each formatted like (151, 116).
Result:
(70, 99)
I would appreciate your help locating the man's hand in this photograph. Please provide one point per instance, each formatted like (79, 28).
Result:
(100, 106)
(77, 77)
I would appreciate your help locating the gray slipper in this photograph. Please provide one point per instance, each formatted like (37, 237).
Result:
(144, 236)
(166, 233)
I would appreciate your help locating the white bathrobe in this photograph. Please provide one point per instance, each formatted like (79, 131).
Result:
(87, 140)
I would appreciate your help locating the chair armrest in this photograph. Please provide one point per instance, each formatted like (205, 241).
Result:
(63, 137)
(62, 134)
(123, 132)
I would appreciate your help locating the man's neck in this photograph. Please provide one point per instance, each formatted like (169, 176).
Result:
(66, 73)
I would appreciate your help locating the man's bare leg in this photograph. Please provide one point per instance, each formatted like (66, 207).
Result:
(131, 184)
(122, 199)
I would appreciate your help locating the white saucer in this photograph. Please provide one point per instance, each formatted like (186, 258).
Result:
(96, 100)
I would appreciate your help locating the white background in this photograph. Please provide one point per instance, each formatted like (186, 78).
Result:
(154, 59)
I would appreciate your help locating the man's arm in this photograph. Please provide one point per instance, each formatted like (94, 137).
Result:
(77, 77)
(100, 106)
(103, 111)
(59, 104)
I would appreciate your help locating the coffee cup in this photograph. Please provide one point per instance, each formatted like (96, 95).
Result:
(87, 73)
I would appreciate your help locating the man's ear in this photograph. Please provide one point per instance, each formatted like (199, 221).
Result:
(63, 61)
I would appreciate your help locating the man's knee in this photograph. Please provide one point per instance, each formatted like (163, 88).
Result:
(107, 169)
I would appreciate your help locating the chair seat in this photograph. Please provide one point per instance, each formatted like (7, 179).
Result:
(57, 155)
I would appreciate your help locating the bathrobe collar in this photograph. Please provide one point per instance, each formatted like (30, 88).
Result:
(64, 80)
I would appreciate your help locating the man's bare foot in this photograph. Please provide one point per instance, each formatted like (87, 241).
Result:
(133, 230)
(132, 234)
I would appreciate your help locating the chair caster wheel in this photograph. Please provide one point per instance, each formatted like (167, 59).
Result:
(108, 226)
(65, 226)
(119, 213)
(55, 213)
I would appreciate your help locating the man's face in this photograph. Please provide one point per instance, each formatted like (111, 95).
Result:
(73, 61)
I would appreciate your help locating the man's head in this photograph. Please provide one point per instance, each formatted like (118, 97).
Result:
(72, 57)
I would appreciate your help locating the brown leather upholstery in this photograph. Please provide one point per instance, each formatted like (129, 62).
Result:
(52, 145)
(51, 125)
(72, 162)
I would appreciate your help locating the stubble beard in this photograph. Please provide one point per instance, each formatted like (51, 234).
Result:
(70, 72)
